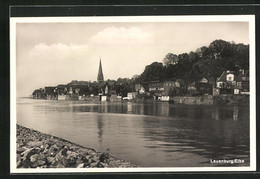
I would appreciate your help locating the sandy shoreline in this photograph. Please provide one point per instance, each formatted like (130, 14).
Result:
(39, 150)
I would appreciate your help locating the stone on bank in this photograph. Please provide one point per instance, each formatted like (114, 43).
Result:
(38, 150)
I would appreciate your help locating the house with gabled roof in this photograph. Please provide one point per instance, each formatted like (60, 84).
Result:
(157, 86)
(200, 87)
(230, 82)
(171, 87)
(141, 88)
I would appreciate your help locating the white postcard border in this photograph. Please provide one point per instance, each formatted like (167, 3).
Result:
(95, 19)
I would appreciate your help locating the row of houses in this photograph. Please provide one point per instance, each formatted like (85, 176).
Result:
(157, 86)
(76, 92)
(58, 92)
(162, 90)
(229, 82)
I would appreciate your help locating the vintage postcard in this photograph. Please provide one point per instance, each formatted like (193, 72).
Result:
(133, 94)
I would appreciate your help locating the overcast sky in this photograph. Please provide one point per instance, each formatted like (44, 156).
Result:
(51, 54)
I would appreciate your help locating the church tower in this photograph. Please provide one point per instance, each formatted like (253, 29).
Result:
(100, 77)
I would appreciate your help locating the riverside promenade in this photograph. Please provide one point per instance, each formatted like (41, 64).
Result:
(39, 150)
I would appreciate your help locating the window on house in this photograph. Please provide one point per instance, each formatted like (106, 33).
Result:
(244, 78)
(219, 84)
(239, 83)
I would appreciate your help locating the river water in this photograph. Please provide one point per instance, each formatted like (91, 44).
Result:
(149, 135)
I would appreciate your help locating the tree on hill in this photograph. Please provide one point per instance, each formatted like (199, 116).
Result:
(207, 62)
(220, 47)
(169, 59)
(155, 71)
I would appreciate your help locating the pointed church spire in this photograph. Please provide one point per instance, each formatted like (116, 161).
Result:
(100, 77)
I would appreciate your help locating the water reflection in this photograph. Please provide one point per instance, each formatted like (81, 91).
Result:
(165, 109)
(215, 114)
(219, 113)
(129, 107)
(141, 109)
(235, 113)
(159, 134)
(100, 128)
(215, 137)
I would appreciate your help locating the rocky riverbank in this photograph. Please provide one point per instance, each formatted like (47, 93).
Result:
(38, 150)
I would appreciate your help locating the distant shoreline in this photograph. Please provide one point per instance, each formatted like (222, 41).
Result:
(35, 149)
(186, 100)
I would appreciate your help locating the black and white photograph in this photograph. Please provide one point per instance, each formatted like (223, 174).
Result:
(133, 94)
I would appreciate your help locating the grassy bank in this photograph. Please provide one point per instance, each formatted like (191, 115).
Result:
(39, 150)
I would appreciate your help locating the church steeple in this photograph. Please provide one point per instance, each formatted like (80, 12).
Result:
(100, 77)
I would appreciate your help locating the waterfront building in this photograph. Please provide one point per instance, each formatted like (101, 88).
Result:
(106, 89)
(164, 98)
(63, 89)
(38, 94)
(157, 86)
(103, 98)
(200, 87)
(131, 95)
(170, 86)
(244, 81)
(230, 82)
(141, 88)
(70, 90)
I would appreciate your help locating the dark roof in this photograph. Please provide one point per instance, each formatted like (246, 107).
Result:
(112, 91)
(167, 81)
(211, 81)
(61, 87)
(224, 74)
(146, 87)
(222, 77)
(49, 89)
(238, 78)
(142, 83)
(157, 81)
(201, 78)
(36, 91)
(192, 84)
